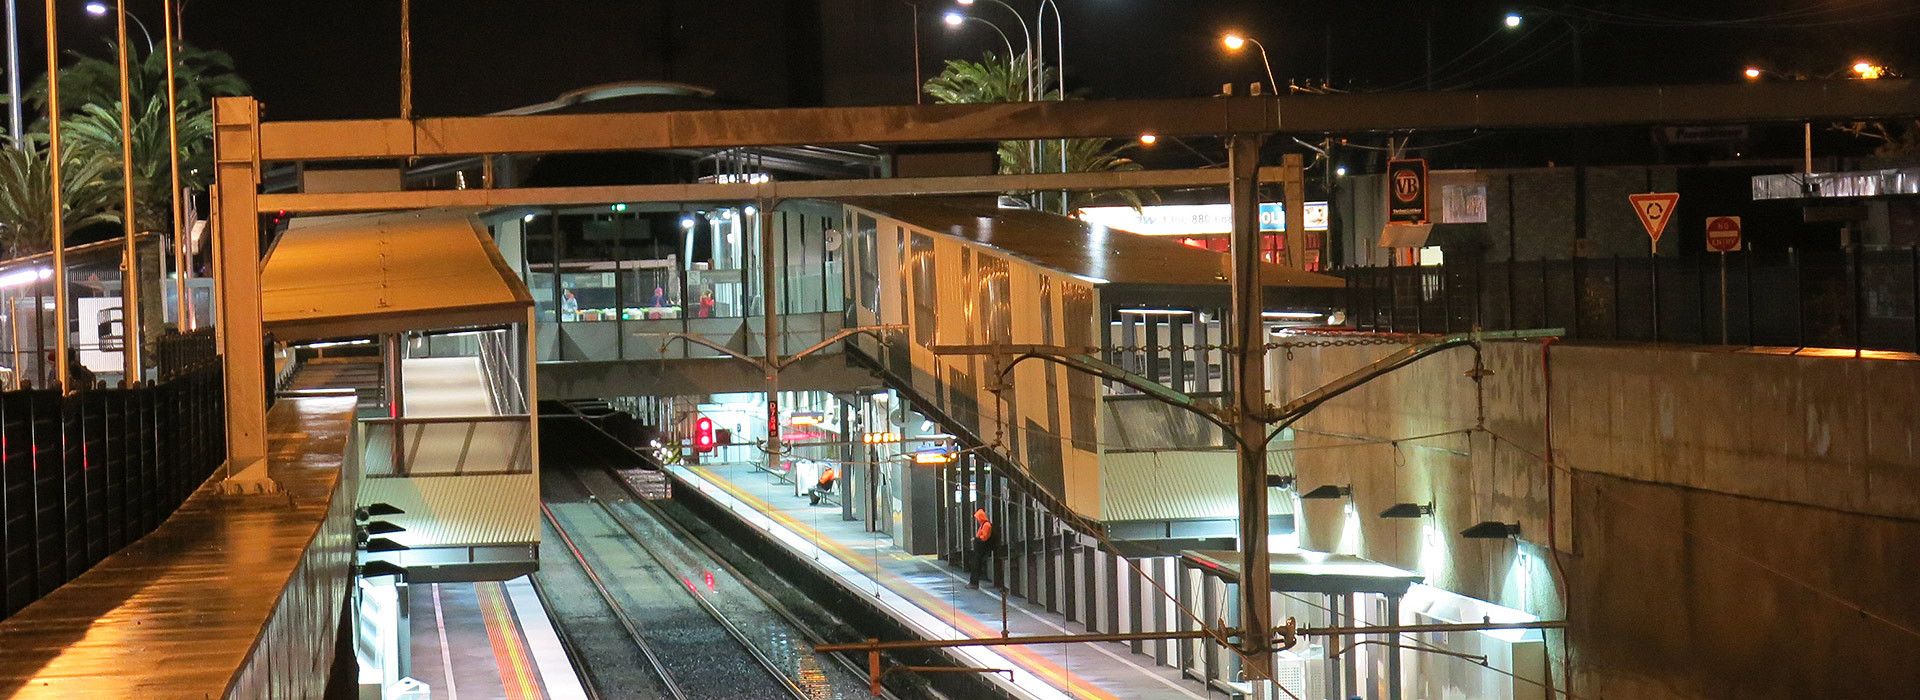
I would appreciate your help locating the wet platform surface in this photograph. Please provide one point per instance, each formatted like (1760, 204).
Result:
(175, 614)
(932, 597)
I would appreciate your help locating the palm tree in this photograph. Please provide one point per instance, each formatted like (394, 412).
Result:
(995, 80)
(26, 204)
(95, 131)
(199, 76)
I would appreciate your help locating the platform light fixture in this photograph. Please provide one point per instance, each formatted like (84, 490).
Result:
(382, 544)
(1329, 491)
(1492, 530)
(1513, 20)
(381, 568)
(381, 527)
(1408, 510)
(374, 510)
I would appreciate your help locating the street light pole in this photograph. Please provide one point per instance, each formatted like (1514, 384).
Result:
(1233, 42)
(99, 9)
(955, 19)
(132, 334)
(13, 74)
(183, 311)
(57, 226)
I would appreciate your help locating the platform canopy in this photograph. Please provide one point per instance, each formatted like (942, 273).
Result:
(363, 274)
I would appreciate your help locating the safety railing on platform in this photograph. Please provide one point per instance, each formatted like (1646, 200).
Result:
(85, 474)
(452, 446)
(1829, 299)
(498, 362)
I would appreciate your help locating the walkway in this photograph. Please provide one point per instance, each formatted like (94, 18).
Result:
(487, 641)
(932, 597)
(178, 613)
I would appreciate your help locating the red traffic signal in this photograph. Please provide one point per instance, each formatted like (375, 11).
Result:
(703, 434)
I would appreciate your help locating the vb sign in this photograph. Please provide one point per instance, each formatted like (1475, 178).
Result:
(1655, 209)
(1407, 191)
(1723, 234)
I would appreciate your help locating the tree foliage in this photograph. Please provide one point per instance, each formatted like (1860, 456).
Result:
(993, 79)
(26, 201)
(91, 145)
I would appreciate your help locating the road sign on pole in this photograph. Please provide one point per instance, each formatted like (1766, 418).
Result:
(1654, 210)
(1723, 234)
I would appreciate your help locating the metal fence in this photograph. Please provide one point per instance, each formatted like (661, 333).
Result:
(85, 474)
(1830, 299)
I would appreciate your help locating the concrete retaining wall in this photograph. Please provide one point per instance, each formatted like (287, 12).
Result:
(1722, 519)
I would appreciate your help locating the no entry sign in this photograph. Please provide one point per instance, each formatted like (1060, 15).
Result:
(1723, 234)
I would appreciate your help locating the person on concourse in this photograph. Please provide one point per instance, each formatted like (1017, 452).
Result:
(983, 541)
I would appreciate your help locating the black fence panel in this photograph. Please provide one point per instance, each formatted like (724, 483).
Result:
(84, 475)
(1831, 298)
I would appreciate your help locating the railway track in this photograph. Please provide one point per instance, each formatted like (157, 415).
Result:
(703, 638)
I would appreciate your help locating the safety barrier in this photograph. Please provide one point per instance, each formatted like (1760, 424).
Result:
(85, 474)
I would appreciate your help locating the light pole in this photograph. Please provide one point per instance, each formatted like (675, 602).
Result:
(132, 333)
(13, 74)
(955, 19)
(1234, 42)
(57, 224)
(1025, 32)
(99, 9)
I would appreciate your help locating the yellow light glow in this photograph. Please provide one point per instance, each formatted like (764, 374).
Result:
(931, 458)
(1148, 139)
(1233, 41)
(1869, 71)
(1753, 73)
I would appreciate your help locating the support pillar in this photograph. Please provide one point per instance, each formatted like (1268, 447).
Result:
(236, 148)
(1249, 377)
(771, 318)
(1293, 179)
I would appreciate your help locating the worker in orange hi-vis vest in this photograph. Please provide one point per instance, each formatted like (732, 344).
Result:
(983, 540)
(822, 487)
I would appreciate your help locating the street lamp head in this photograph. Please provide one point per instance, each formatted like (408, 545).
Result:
(1233, 42)
(97, 9)
(953, 19)
(965, 2)
(1513, 20)
(1868, 71)
(1149, 139)
(1753, 73)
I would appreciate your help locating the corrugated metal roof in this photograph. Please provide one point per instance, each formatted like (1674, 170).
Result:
(459, 511)
(1178, 485)
(362, 274)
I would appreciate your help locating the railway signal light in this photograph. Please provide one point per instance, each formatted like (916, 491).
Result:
(703, 434)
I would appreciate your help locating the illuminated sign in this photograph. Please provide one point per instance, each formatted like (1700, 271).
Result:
(1195, 219)
(880, 438)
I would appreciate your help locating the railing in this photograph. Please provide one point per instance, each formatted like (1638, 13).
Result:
(177, 354)
(85, 474)
(452, 446)
(1832, 299)
(497, 362)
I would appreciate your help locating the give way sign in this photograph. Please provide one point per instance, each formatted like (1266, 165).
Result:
(1654, 210)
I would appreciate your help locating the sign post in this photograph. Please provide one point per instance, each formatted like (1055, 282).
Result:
(1723, 236)
(1655, 209)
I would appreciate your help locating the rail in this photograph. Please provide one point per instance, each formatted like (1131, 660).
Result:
(613, 604)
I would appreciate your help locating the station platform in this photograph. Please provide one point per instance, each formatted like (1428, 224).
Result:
(932, 598)
(489, 640)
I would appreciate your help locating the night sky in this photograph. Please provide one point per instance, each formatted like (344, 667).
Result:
(319, 60)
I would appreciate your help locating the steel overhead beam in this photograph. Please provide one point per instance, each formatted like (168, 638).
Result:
(1347, 113)
(335, 202)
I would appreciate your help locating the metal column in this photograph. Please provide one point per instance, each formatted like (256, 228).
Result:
(1249, 376)
(236, 132)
